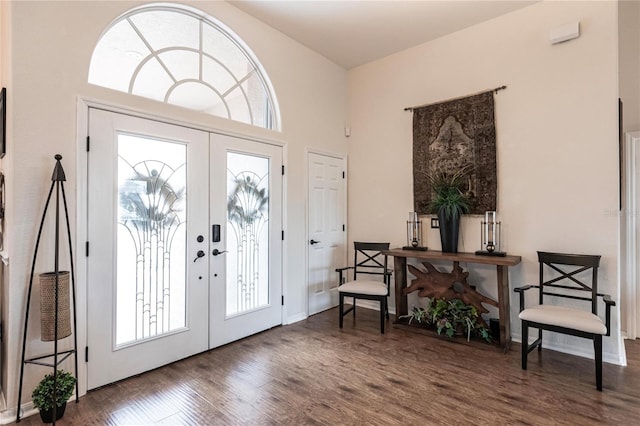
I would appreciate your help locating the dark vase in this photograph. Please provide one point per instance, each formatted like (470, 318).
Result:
(449, 227)
(47, 415)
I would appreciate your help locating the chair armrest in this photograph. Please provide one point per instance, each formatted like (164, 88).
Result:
(607, 299)
(521, 290)
(524, 288)
(608, 303)
(387, 277)
(340, 271)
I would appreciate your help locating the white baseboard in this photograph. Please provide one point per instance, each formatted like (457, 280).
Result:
(295, 318)
(609, 357)
(9, 415)
(369, 304)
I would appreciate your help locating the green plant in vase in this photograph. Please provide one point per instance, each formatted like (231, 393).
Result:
(42, 395)
(449, 202)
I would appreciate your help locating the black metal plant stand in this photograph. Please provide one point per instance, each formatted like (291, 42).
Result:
(57, 179)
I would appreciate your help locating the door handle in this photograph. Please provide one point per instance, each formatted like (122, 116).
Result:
(216, 252)
(199, 254)
(312, 242)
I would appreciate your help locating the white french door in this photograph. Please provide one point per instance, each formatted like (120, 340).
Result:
(164, 282)
(246, 200)
(326, 229)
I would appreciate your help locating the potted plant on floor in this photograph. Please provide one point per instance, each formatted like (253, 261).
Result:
(42, 395)
(449, 203)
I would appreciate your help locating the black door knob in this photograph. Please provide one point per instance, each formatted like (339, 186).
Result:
(199, 254)
(312, 242)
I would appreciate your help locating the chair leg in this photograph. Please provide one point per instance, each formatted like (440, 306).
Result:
(525, 344)
(341, 309)
(354, 306)
(540, 340)
(597, 345)
(382, 309)
(386, 306)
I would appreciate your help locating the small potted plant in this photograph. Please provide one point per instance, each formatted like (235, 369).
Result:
(42, 395)
(449, 203)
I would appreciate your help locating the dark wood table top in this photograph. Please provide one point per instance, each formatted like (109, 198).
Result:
(508, 260)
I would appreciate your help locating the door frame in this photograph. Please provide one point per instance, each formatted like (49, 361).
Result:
(629, 293)
(81, 162)
(345, 212)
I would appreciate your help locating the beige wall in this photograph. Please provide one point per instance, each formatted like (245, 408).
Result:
(556, 140)
(629, 59)
(51, 46)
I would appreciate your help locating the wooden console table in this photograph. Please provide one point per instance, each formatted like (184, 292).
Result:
(502, 263)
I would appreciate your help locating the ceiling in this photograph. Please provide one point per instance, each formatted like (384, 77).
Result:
(354, 32)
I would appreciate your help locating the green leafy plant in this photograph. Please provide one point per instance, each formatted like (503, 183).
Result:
(450, 317)
(449, 196)
(42, 395)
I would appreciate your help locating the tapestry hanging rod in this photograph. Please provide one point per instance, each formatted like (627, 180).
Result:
(496, 90)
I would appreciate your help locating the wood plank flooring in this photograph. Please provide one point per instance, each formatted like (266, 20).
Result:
(312, 373)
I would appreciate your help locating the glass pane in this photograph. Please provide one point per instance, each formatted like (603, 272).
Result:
(164, 29)
(151, 238)
(247, 232)
(238, 106)
(116, 56)
(182, 64)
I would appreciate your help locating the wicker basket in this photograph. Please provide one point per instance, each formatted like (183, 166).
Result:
(48, 306)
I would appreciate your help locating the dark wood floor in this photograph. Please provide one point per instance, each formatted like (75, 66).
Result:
(313, 373)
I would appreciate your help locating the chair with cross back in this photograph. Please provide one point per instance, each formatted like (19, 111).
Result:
(568, 276)
(369, 261)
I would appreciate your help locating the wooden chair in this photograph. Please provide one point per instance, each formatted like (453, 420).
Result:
(368, 259)
(564, 283)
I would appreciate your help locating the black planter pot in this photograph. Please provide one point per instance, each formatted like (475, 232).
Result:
(47, 415)
(449, 229)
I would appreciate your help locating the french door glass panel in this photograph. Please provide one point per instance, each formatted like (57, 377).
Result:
(151, 238)
(248, 232)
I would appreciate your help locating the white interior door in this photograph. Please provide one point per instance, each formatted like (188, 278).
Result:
(246, 262)
(327, 233)
(147, 220)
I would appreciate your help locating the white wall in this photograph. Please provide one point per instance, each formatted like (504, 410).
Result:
(51, 46)
(629, 59)
(557, 142)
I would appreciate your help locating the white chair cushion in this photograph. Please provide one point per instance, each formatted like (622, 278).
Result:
(564, 317)
(374, 288)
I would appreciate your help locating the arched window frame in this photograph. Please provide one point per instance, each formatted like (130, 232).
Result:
(272, 115)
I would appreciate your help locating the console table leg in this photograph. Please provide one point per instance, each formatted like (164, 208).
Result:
(504, 309)
(400, 281)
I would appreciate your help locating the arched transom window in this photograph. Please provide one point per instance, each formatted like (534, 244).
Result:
(181, 57)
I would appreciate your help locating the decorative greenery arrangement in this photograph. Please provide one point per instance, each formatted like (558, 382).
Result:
(451, 317)
(42, 395)
(449, 199)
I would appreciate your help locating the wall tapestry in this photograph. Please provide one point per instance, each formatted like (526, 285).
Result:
(452, 135)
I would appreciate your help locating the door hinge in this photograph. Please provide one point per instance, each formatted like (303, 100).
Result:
(343, 227)
(283, 300)
(88, 143)
(86, 248)
(86, 354)
(1, 331)
(342, 175)
(282, 235)
(282, 170)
